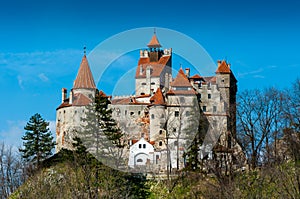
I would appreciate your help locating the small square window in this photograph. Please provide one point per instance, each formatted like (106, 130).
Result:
(181, 99)
(204, 108)
(174, 129)
(140, 146)
(214, 109)
(160, 143)
(144, 146)
(209, 96)
(187, 113)
(176, 113)
(152, 116)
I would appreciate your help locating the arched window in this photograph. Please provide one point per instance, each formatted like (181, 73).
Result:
(160, 143)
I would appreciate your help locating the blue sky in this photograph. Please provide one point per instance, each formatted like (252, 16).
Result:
(41, 45)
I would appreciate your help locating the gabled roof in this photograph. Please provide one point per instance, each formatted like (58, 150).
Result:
(157, 67)
(154, 43)
(223, 67)
(84, 77)
(196, 77)
(79, 99)
(158, 98)
(181, 80)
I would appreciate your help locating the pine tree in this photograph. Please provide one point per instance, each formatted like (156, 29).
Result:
(37, 141)
(101, 135)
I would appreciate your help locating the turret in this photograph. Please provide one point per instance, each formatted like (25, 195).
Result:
(84, 82)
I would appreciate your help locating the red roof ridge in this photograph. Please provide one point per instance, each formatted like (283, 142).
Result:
(84, 78)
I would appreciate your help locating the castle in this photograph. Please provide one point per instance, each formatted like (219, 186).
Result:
(163, 117)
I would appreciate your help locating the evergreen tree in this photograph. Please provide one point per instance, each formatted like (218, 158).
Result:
(101, 135)
(37, 140)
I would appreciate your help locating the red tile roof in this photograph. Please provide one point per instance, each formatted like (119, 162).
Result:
(182, 92)
(211, 79)
(157, 67)
(181, 80)
(223, 67)
(65, 104)
(121, 101)
(158, 98)
(154, 43)
(84, 77)
(196, 77)
(126, 101)
(80, 100)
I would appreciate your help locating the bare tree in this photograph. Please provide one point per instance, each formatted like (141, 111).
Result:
(258, 121)
(11, 170)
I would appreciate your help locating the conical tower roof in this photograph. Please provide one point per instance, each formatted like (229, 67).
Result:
(154, 43)
(84, 77)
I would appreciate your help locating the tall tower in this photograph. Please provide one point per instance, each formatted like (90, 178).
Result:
(69, 113)
(154, 69)
(227, 84)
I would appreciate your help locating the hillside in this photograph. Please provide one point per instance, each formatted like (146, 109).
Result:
(72, 175)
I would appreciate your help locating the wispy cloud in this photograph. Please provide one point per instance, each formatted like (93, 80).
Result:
(20, 82)
(37, 67)
(12, 135)
(257, 73)
(43, 77)
(250, 72)
(259, 76)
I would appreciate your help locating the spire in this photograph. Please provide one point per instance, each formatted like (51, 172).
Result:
(84, 77)
(154, 43)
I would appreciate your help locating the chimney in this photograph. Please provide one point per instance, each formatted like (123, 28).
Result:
(141, 53)
(63, 94)
(187, 72)
(219, 62)
(71, 97)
